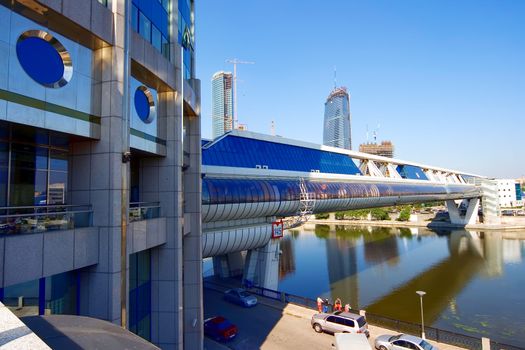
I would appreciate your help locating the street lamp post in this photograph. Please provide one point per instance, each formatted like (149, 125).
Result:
(421, 293)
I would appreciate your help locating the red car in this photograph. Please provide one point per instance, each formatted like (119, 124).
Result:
(219, 328)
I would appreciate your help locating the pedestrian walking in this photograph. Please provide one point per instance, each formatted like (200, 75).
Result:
(337, 305)
(347, 307)
(319, 304)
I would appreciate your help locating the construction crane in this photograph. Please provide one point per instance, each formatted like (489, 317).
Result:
(235, 62)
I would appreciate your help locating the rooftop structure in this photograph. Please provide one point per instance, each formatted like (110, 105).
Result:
(384, 149)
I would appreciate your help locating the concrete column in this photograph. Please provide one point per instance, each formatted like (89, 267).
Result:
(99, 178)
(220, 266)
(235, 264)
(267, 272)
(192, 241)
(250, 265)
(470, 216)
(161, 180)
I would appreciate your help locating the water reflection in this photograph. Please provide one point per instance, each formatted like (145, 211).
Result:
(470, 277)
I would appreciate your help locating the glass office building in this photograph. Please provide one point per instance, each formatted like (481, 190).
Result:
(337, 119)
(91, 120)
(222, 103)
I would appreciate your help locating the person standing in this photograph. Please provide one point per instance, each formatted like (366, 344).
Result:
(326, 305)
(337, 305)
(319, 304)
(347, 307)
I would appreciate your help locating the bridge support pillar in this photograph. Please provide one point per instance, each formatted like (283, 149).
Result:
(250, 265)
(470, 216)
(262, 265)
(228, 265)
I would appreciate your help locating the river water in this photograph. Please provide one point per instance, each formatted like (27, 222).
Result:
(475, 281)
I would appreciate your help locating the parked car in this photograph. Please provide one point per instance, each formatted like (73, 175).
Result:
(339, 322)
(353, 341)
(401, 342)
(219, 328)
(241, 297)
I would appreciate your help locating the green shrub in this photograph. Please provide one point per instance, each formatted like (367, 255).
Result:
(380, 214)
(340, 215)
(404, 215)
(322, 216)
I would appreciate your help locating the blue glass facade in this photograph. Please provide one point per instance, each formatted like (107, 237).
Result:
(33, 167)
(57, 294)
(411, 172)
(519, 194)
(150, 18)
(227, 191)
(243, 152)
(140, 294)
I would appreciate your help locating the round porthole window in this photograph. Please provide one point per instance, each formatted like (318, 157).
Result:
(44, 58)
(144, 104)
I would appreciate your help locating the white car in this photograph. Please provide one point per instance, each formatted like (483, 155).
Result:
(402, 342)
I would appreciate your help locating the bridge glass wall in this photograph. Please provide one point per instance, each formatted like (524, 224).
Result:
(242, 152)
(225, 191)
(411, 172)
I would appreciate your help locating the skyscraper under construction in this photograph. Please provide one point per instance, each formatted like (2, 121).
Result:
(337, 129)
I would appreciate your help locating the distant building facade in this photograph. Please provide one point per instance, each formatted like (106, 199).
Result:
(384, 149)
(222, 103)
(509, 193)
(337, 128)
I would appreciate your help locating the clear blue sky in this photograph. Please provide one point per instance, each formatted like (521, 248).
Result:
(444, 79)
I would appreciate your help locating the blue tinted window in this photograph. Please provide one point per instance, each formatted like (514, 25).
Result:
(135, 18)
(144, 27)
(40, 60)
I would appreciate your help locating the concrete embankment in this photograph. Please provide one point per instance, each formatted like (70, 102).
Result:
(507, 224)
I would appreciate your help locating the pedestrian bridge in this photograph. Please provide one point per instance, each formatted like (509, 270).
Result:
(248, 175)
(250, 180)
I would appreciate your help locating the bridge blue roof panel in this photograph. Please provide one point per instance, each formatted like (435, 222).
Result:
(411, 172)
(235, 151)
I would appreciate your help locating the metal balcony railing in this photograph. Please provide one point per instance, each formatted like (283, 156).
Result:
(43, 218)
(143, 211)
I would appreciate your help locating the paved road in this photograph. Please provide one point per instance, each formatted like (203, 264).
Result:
(265, 327)
(271, 326)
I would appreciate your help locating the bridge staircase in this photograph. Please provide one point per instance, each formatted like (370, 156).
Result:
(306, 208)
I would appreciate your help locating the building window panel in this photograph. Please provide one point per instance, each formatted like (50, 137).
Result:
(135, 18)
(165, 47)
(156, 38)
(144, 27)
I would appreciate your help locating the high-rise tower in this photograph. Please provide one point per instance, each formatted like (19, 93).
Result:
(222, 103)
(336, 129)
